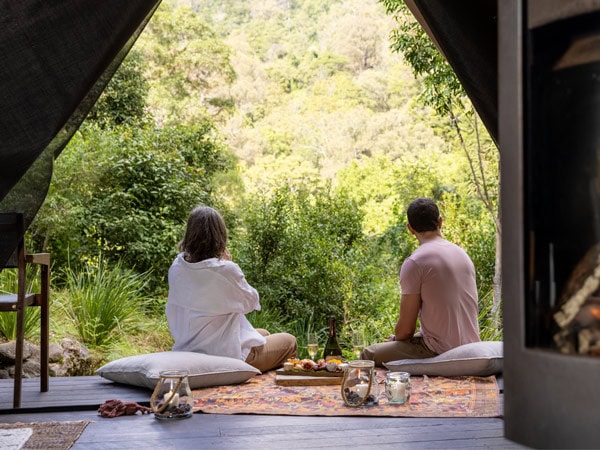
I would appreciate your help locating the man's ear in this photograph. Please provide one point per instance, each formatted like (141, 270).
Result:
(411, 229)
(440, 222)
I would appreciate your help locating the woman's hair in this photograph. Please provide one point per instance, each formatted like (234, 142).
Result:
(205, 235)
(423, 215)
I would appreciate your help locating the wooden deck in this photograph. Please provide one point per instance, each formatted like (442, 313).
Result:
(78, 398)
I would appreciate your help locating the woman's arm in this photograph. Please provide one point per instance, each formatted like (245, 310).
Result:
(244, 297)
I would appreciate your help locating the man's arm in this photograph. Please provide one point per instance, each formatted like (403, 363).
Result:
(410, 304)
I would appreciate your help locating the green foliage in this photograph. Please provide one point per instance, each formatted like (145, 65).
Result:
(188, 66)
(103, 301)
(8, 320)
(123, 101)
(294, 249)
(490, 322)
(372, 184)
(478, 238)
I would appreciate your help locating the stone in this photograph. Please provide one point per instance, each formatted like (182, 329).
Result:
(69, 358)
(76, 358)
(7, 352)
(55, 353)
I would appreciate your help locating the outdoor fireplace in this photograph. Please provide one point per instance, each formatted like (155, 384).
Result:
(549, 134)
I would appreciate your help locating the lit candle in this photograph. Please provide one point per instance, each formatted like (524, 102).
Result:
(398, 391)
(362, 389)
(174, 401)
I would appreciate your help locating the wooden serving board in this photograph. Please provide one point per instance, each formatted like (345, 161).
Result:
(310, 373)
(307, 377)
(303, 380)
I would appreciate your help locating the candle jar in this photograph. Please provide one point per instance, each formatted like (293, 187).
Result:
(397, 387)
(359, 384)
(172, 397)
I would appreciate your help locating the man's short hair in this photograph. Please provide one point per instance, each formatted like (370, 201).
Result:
(423, 215)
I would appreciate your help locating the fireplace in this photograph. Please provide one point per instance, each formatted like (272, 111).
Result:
(549, 135)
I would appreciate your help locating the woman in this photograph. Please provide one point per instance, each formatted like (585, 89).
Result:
(209, 297)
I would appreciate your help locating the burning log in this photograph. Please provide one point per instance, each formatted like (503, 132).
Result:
(578, 315)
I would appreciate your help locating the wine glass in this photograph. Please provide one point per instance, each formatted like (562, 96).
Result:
(312, 344)
(358, 342)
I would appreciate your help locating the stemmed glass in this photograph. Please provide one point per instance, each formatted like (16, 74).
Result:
(358, 342)
(312, 344)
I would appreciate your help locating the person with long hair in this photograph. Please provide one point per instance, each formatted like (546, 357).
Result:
(209, 298)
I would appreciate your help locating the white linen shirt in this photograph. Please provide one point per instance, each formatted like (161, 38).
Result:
(206, 308)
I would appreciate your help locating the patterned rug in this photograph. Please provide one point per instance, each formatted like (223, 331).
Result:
(431, 397)
(43, 435)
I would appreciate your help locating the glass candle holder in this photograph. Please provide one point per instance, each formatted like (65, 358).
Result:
(359, 385)
(172, 397)
(398, 387)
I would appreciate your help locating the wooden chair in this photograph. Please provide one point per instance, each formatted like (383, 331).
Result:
(12, 234)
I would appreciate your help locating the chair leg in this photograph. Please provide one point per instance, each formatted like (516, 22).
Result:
(44, 329)
(19, 357)
(44, 350)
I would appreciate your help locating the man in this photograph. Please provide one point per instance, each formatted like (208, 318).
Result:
(438, 288)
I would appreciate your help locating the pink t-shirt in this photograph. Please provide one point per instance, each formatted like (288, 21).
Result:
(444, 275)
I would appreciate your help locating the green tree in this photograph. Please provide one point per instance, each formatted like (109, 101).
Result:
(187, 66)
(123, 101)
(356, 30)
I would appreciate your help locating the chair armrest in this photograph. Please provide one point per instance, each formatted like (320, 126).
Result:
(38, 258)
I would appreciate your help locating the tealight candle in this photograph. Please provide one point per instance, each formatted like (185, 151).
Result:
(397, 387)
(398, 391)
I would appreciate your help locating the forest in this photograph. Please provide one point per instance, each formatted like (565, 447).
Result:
(310, 125)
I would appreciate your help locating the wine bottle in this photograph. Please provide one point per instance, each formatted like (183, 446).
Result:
(332, 349)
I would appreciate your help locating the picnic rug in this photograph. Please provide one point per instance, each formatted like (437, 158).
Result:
(43, 435)
(431, 397)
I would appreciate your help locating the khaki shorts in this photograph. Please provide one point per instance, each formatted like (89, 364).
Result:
(278, 349)
(413, 348)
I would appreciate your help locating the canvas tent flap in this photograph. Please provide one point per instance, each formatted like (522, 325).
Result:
(57, 57)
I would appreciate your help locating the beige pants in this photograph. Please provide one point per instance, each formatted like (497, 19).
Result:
(278, 349)
(413, 348)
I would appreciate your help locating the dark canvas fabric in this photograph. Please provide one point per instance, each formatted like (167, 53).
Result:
(55, 59)
(466, 32)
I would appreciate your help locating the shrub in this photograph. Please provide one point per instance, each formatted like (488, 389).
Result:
(102, 301)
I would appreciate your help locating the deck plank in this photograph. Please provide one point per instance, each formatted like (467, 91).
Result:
(68, 393)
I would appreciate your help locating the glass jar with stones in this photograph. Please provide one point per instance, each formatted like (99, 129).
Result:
(359, 385)
(172, 397)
